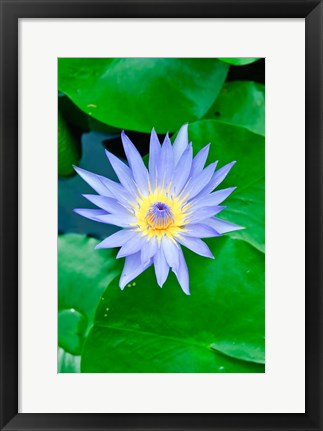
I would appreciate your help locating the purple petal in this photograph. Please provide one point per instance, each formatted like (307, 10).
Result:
(121, 220)
(197, 183)
(180, 143)
(167, 139)
(222, 173)
(91, 214)
(203, 213)
(117, 191)
(154, 157)
(219, 196)
(199, 161)
(171, 251)
(196, 245)
(166, 164)
(212, 199)
(95, 181)
(182, 170)
(149, 250)
(222, 226)
(132, 246)
(217, 178)
(132, 268)
(108, 204)
(123, 172)
(161, 267)
(200, 230)
(117, 239)
(136, 164)
(181, 273)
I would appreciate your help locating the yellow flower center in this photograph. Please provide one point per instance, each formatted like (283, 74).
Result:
(159, 214)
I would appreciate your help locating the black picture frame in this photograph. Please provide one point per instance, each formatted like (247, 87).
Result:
(11, 11)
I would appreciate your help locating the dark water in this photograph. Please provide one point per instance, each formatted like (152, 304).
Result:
(70, 189)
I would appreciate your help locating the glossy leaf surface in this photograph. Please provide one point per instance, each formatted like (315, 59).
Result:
(142, 93)
(148, 329)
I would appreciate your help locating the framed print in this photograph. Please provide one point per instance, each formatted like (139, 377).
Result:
(161, 215)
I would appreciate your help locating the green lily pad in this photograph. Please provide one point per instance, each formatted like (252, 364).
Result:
(148, 329)
(83, 275)
(142, 93)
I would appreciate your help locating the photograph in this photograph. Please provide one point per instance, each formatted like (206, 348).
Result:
(161, 215)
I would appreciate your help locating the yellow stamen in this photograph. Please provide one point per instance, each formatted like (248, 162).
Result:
(160, 213)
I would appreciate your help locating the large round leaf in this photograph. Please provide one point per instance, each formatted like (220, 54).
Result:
(148, 329)
(239, 61)
(83, 275)
(142, 93)
(69, 149)
(246, 206)
(241, 103)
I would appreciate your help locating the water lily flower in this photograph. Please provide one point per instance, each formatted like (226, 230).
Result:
(159, 209)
